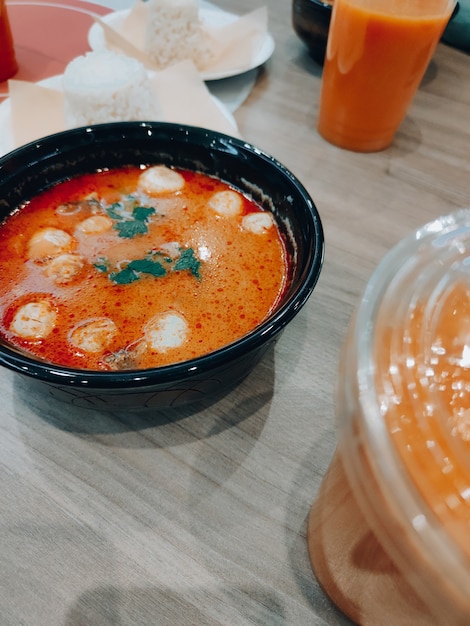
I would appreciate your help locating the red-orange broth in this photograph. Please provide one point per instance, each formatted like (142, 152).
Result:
(146, 274)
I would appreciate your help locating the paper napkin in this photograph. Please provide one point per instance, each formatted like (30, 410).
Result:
(233, 45)
(182, 96)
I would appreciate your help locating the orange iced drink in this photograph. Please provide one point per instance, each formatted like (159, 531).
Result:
(388, 534)
(377, 54)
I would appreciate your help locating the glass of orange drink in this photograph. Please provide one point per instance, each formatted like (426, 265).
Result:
(377, 54)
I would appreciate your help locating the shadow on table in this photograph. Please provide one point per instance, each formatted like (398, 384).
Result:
(311, 471)
(222, 412)
(160, 606)
(304, 62)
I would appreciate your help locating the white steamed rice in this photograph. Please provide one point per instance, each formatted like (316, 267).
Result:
(105, 86)
(174, 32)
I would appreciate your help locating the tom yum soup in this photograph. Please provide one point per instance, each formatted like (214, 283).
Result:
(137, 268)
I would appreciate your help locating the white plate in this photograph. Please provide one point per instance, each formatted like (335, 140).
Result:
(211, 17)
(7, 142)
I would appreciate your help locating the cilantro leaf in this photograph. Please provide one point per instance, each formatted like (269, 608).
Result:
(147, 266)
(124, 277)
(130, 220)
(188, 261)
(101, 264)
(142, 213)
(130, 228)
(155, 263)
(115, 211)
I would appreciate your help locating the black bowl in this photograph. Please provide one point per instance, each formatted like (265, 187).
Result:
(36, 166)
(311, 22)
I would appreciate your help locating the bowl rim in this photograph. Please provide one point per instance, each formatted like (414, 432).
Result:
(45, 371)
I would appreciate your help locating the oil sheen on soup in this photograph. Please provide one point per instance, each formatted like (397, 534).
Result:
(137, 267)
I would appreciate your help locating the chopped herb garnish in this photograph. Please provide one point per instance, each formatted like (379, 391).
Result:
(147, 266)
(124, 277)
(130, 228)
(188, 261)
(101, 265)
(115, 211)
(130, 220)
(133, 270)
(142, 213)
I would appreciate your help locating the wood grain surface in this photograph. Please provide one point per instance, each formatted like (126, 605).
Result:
(198, 517)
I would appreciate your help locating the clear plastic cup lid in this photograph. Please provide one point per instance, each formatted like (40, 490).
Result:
(412, 333)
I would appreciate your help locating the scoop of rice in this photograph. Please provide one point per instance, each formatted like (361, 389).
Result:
(105, 86)
(174, 32)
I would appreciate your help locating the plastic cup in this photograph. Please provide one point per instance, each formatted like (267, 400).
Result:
(377, 54)
(388, 534)
(8, 64)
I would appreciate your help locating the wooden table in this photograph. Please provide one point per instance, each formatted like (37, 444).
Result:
(199, 517)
